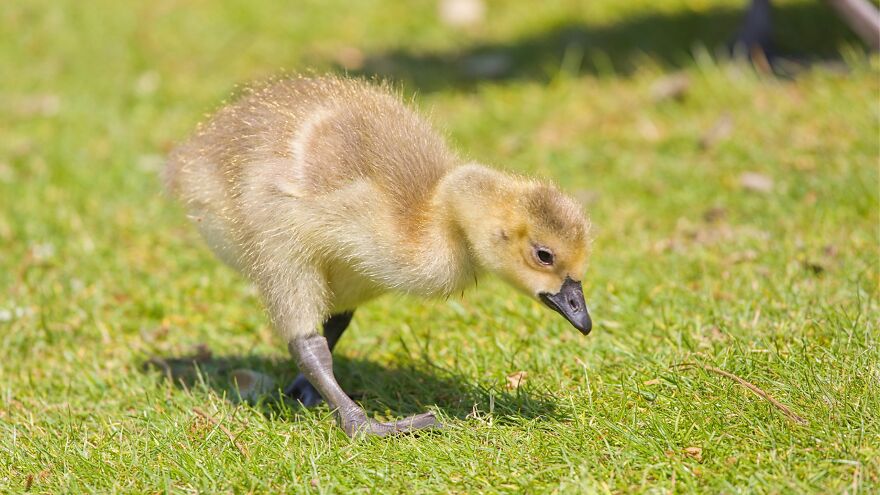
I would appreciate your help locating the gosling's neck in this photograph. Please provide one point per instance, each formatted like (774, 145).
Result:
(458, 224)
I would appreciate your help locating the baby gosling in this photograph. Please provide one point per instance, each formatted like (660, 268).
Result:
(327, 192)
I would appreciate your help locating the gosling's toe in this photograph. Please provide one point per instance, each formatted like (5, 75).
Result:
(412, 425)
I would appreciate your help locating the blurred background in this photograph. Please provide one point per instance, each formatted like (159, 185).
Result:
(734, 203)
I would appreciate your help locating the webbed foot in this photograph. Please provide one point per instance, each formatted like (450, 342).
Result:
(355, 423)
(312, 355)
(301, 390)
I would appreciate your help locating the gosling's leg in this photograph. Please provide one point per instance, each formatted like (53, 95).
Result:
(300, 389)
(312, 355)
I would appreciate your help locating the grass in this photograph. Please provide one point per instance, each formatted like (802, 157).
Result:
(779, 286)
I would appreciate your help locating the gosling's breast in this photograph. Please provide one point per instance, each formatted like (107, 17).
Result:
(349, 288)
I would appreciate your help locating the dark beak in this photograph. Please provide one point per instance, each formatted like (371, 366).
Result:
(569, 302)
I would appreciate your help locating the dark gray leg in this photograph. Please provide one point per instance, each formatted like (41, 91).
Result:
(300, 388)
(312, 355)
(756, 30)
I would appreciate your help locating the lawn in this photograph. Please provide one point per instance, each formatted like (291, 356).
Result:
(736, 225)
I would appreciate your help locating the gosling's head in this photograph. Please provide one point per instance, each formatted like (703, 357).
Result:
(537, 240)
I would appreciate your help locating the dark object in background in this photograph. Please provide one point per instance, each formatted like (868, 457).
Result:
(754, 37)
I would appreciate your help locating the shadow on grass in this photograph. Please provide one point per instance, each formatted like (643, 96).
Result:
(800, 29)
(399, 391)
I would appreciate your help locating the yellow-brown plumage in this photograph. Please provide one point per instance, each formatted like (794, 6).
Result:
(327, 192)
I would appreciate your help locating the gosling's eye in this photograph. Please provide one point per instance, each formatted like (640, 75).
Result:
(544, 255)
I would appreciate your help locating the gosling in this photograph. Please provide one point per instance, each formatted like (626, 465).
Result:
(328, 192)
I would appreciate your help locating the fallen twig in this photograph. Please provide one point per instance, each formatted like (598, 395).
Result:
(241, 448)
(754, 388)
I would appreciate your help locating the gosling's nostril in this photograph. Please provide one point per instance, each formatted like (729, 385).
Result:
(573, 303)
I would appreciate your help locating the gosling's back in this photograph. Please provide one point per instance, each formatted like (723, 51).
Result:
(330, 169)
(325, 133)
